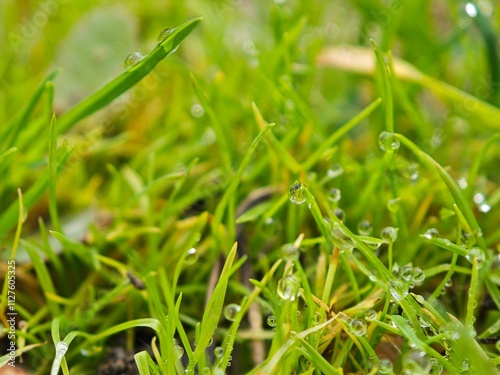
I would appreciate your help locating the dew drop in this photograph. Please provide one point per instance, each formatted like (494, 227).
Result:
(271, 227)
(478, 198)
(389, 234)
(371, 314)
(178, 351)
(289, 287)
(364, 228)
(271, 321)
(385, 366)
(462, 183)
(405, 272)
(231, 311)
(398, 289)
(206, 371)
(431, 234)
(411, 172)
(358, 327)
(133, 59)
(388, 141)
(334, 195)
(290, 252)
(164, 35)
(494, 269)
(335, 171)
(192, 256)
(416, 362)
(218, 351)
(477, 253)
(394, 204)
(197, 110)
(296, 193)
(249, 48)
(436, 367)
(340, 213)
(417, 276)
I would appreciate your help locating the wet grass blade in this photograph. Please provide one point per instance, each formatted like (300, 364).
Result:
(213, 311)
(127, 80)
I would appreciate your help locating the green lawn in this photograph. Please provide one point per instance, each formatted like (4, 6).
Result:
(250, 187)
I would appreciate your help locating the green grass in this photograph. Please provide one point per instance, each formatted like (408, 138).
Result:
(328, 170)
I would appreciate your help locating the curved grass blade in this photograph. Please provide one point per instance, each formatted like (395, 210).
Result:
(128, 79)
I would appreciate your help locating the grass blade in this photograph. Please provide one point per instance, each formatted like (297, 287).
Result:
(127, 80)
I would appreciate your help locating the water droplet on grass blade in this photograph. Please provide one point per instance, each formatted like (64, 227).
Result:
(436, 367)
(231, 311)
(133, 59)
(462, 183)
(405, 272)
(335, 171)
(394, 204)
(411, 172)
(271, 321)
(296, 193)
(334, 195)
(358, 327)
(218, 351)
(364, 228)
(431, 234)
(385, 366)
(178, 351)
(192, 256)
(197, 110)
(388, 141)
(416, 362)
(417, 276)
(398, 289)
(164, 35)
(289, 287)
(477, 253)
(290, 252)
(389, 234)
(339, 213)
(371, 314)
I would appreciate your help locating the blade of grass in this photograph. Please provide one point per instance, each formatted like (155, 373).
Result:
(128, 79)
(53, 175)
(213, 311)
(21, 121)
(15, 245)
